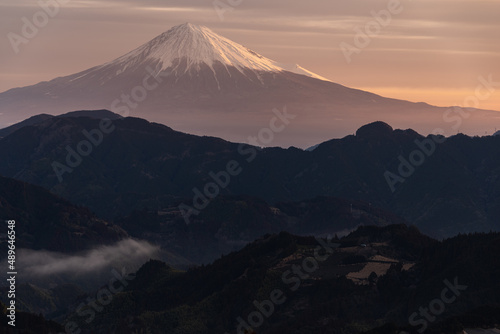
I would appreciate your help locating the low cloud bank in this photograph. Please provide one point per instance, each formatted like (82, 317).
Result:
(129, 253)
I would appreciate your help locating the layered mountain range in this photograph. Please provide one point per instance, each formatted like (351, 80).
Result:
(334, 229)
(148, 166)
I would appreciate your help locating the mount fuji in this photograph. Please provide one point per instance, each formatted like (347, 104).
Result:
(196, 81)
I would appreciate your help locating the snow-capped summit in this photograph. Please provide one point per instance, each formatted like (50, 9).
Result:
(188, 46)
(196, 81)
(197, 44)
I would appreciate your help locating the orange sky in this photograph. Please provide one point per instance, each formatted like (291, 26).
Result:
(429, 50)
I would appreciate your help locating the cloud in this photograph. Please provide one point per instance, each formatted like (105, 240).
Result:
(129, 252)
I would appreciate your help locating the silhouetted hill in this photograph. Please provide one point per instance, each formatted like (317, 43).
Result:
(45, 221)
(37, 119)
(399, 271)
(27, 323)
(374, 130)
(30, 121)
(96, 114)
(141, 165)
(231, 222)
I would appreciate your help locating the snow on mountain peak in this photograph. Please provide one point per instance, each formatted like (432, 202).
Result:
(199, 44)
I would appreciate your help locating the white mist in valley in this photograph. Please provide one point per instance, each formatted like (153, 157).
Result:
(89, 268)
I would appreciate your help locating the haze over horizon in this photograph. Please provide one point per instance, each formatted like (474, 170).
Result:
(429, 52)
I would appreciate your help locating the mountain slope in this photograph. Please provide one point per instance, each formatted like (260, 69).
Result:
(44, 221)
(30, 121)
(97, 114)
(231, 222)
(147, 165)
(199, 82)
(322, 298)
(199, 45)
(27, 323)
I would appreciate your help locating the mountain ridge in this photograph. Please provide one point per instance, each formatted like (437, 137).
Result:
(166, 166)
(46, 221)
(323, 297)
(37, 119)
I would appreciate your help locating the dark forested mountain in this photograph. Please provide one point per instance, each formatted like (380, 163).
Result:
(97, 114)
(288, 284)
(442, 186)
(231, 222)
(45, 221)
(27, 323)
(27, 122)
